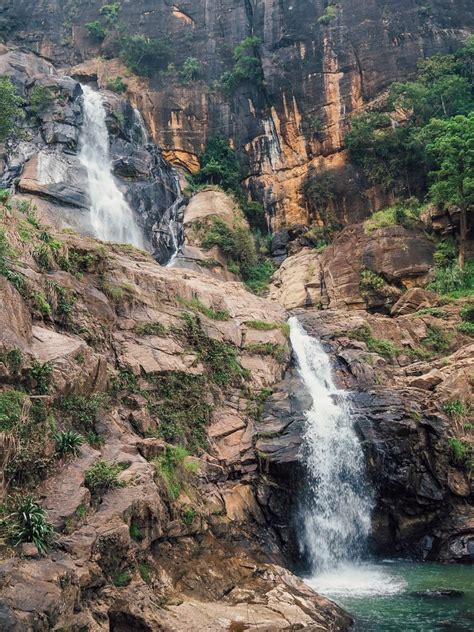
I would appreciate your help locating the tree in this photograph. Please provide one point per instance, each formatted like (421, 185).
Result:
(144, 55)
(10, 110)
(450, 147)
(219, 165)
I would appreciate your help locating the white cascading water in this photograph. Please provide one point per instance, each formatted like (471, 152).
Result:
(111, 218)
(337, 508)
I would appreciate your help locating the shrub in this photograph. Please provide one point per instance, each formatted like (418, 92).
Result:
(135, 532)
(103, 476)
(110, 11)
(39, 377)
(467, 313)
(39, 98)
(436, 312)
(10, 107)
(191, 69)
(187, 515)
(319, 192)
(376, 345)
(145, 572)
(466, 328)
(68, 442)
(371, 281)
(82, 411)
(268, 348)
(218, 166)
(117, 84)
(262, 325)
(11, 409)
(96, 30)
(143, 55)
(7, 255)
(120, 580)
(436, 339)
(29, 524)
(247, 66)
(329, 14)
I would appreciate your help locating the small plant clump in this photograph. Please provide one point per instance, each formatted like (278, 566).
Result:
(173, 469)
(28, 523)
(436, 339)
(381, 346)
(268, 348)
(461, 453)
(150, 329)
(102, 476)
(454, 408)
(68, 442)
(81, 411)
(117, 84)
(120, 580)
(197, 305)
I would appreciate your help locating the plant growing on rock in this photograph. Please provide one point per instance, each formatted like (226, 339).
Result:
(191, 69)
(68, 442)
(28, 523)
(173, 469)
(144, 55)
(461, 453)
(197, 305)
(102, 476)
(96, 30)
(82, 411)
(247, 67)
(117, 84)
(10, 107)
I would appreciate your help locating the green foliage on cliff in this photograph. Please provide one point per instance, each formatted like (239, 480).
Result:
(144, 55)
(103, 476)
(117, 84)
(10, 108)
(96, 30)
(218, 165)
(247, 67)
(28, 523)
(461, 453)
(328, 16)
(174, 469)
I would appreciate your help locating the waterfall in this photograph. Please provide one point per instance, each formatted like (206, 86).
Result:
(336, 511)
(111, 217)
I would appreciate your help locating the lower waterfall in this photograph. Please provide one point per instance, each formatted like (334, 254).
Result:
(111, 217)
(336, 512)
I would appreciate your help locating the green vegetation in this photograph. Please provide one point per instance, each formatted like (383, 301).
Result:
(81, 411)
(143, 55)
(117, 84)
(319, 193)
(220, 358)
(436, 312)
(28, 523)
(371, 281)
(188, 515)
(122, 579)
(403, 214)
(135, 532)
(436, 339)
(180, 403)
(12, 359)
(174, 470)
(110, 12)
(198, 306)
(145, 572)
(218, 166)
(263, 325)
(454, 407)
(329, 15)
(247, 67)
(10, 107)
(39, 377)
(39, 98)
(11, 409)
(96, 30)
(381, 346)
(461, 453)
(150, 329)
(7, 257)
(102, 476)
(278, 352)
(68, 442)
(191, 69)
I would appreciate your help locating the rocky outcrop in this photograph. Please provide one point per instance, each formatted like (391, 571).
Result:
(358, 270)
(316, 73)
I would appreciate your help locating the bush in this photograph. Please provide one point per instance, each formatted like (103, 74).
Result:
(143, 55)
(467, 313)
(103, 476)
(120, 580)
(80, 410)
(40, 97)
(329, 14)
(191, 69)
(279, 352)
(29, 524)
(10, 107)
(117, 84)
(7, 255)
(218, 166)
(454, 408)
(453, 281)
(11, 409)
(381, 346)
(68, 442)
(39, 377)
(247, 67)
(96, 30)
(150, 329)
(436, 339)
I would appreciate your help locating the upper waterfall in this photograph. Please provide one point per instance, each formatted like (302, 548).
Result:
(337, 508)
(111, 217)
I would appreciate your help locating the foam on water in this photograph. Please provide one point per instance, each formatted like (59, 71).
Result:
(357, 581)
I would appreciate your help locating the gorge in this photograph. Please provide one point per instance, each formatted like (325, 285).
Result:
(236, 315)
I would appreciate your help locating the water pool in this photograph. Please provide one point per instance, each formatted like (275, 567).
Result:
(380, 596)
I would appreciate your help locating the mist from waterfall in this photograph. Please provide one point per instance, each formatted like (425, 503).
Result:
(337, 507)
(111, 217)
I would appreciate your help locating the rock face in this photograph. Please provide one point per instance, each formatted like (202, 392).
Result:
(316, 72)
(357, 271)
(421, 494)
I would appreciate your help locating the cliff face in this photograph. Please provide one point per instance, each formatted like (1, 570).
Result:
(316, 73)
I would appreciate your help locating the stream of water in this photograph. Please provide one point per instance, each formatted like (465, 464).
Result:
(111, 217)
(383, 596)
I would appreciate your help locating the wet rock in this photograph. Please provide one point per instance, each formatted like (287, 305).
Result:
(442, 593)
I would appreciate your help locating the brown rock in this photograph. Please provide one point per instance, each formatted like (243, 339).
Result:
(413, 300)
